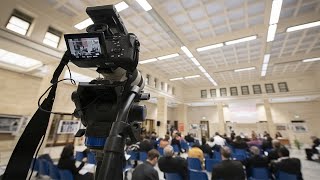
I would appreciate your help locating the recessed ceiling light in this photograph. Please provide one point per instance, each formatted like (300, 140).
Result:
(311, 60)
(186, 51)
(271, 32)
(121, 6)
(207, 75)
(205, 48)
(144, 4)
(168, 56)
(266, 58)
(148, 61)
(249, 38)
(264, 67)
(84, 24)
(190, 77)
(263, 73)
(175, 79)
(202, 69)
(245, 69)
(275, 11)
(16, 60)
(303, 26)
(195, 61)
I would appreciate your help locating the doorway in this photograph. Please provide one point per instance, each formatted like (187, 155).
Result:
(148, 124)
(204, 127)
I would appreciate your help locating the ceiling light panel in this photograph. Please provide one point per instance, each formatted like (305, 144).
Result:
(148, 61)
(195, 61)
(245, 39)
(311, 60)
(144, 4)
(84, 24)
(245, 69)
(266, 58)
(18, 60)
(303, 26)
(205, 48)
(275, 12)
(121, 6)
(187, 51)
(168, 56)
(271, 32)
(190, 77)
(176, 79)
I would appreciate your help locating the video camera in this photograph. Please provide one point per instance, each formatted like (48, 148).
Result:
(115, 52)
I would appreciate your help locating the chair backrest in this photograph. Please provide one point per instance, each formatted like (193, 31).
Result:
(286, 176)
(194, 163)
(134, 155)
(91, 158)
(206, 156)
(65, 175)
(217, 155)
(210, 163)
(198, 175)
(175, 148)
(239, 157)
(184, 145)
(43, 167)
(79, 156)
(54, 172)
(160, 149)
(173, 176)
(240, 151)
(260, 173)
(142, 156)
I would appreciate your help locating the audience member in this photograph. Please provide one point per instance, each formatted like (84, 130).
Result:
(313, 150)
(239, 143)
(254, 135)
(228, 169)
(176, 141)
(232, 135)
(206, 148)
(189, 138)
(287, 164)
(219, 140)
(67, 162)
(146, 171)
(196, 152)
(153, 139)
(164, 142)
(213, 145)
(254, 141)
(278, 135)
(170, 164)
(226, 138)
(145, 145)
(267, 142)
(273, 154)
(255, 160)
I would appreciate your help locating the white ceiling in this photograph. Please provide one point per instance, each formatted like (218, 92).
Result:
(197, 23)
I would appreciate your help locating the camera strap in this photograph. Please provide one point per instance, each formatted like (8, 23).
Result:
(22, 155)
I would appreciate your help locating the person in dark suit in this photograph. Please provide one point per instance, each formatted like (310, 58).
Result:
(176, 141)
(313, 150)
(146, 171)
(145, 145)
(267, 142)
(273, 154)
(228, 169)
(256, 161)
(67, 162)
(170, 164)
(206, 149)
(189, 138)
(239, 143)
(287, 164)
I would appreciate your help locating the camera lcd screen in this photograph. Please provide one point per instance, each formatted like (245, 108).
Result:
(85, 48)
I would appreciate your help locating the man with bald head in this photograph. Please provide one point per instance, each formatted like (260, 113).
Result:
(170, 164)
(228, 169)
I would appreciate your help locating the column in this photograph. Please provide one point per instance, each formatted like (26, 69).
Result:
(221, 121)
(162, 116)
(271, 126)
(182, 110)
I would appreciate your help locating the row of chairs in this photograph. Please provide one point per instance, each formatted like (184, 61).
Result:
(90, 155)
(193, 175)
(47, 168)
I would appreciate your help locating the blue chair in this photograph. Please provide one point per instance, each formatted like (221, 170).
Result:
(173, 176)
(175, 148)
(239, 157)
(217, 155)
(210, 163)
(240, 151)
(197, 175)
(134, 155)
(54, 172)
(79, 156)
(43, 167)
(184, 145)
(160, 151)
(206, 156)
(285, 176)
(260, 173)
(194, 163)
(91, 158)
(65, 175)
(190, 144)
(142, 156)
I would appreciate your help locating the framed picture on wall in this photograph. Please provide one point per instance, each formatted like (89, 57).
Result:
(68, 127)
(10, 124)
(299, 127)
(281, 127)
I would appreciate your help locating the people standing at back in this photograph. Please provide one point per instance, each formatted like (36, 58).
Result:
(219, 140)
(196, 152)
(267, 142)
(278, 135)
(239, 143)
(170, 164)
(287, 164)
(232, 135)
(228, 169)
(146, 170)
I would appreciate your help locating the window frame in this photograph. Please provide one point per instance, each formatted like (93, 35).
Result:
(225, 91)
(285, 85)
(236, 91)
(203, 93)
(247, 89)
(256, 85)
(215, 93)
(267, 89)
(23, 17)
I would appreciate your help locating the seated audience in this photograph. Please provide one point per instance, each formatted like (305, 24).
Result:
(206, 148)
(239, 143)
(196, 152)
(164, 142)
(273, 154)
(313, 150)
(287, 164)
(228, 169)
(176, 141)
(226, 138)
(189, 138)
(170, 164)
(254, 141)
(67, 162)
(146, 171)
(278, 135)
(145, 145)
(267, 142)
(255, 160)
(219, 140)
(213, 145)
